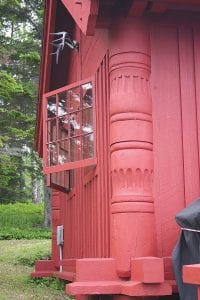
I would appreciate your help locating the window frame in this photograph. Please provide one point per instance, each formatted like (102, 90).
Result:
(62, 188)
(74, 164)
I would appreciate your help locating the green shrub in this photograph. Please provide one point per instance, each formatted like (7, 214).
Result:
(28, 234)
(22, 221)
(21, 214)
(54, 283)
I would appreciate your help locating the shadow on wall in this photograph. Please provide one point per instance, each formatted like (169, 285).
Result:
(109, 297)
(174, 297)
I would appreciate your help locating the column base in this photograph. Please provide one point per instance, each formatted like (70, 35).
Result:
(130, 288)
(191, 275)
(98, 276)
(43, 268)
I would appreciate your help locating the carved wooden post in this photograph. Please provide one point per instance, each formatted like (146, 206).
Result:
(132, 209)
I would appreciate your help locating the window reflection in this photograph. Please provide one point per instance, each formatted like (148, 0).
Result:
(75, 124)
(87, 94)
(74, 99)
(51, 107)
(63, 127)
(62, 181)
(52, 154)
(69, 125)
(76, 149)
(51, 130)
(87, 121)
(63, 156)
(62, 104)
(88, 146)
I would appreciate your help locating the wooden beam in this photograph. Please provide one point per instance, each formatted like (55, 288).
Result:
(158, 8)
(192, 2)
(137, 8)
(84, 13)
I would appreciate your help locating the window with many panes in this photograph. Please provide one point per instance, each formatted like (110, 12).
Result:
(69, 129)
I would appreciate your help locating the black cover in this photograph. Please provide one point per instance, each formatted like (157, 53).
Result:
(187, 249)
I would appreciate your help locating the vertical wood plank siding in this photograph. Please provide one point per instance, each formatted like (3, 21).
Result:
(86, 210)
(176, 113)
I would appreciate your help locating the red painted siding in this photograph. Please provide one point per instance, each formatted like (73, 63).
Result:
(176, 114)
(92, 50)
(176, 101)
(85, 212)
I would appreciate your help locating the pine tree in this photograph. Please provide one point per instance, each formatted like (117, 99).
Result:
(20, 44)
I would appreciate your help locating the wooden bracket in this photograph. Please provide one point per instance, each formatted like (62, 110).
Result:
(84, 13)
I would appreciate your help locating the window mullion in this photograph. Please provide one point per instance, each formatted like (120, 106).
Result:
(70, 122)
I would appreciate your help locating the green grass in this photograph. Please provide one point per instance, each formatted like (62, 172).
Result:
(22, 221)
(25, 252)
(16, 260)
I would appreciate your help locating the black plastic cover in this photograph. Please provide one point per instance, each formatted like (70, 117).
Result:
(187, 249)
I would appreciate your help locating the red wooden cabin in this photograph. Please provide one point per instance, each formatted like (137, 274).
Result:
(118, 128)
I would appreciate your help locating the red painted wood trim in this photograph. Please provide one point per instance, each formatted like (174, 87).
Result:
(50, 11)
(137, 8)
(178, 1)
(69, 276)
(129, 288)
(76, 164)
(71, 165)
(84, 13)
(70, 86)
(191, 274)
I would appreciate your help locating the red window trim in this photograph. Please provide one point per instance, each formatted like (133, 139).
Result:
(70, 165)
(75, 164)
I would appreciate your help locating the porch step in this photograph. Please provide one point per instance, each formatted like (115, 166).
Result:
(69, 276)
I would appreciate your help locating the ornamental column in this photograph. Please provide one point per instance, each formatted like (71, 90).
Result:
(131, 146)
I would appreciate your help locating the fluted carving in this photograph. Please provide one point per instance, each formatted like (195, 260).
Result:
(133, 181)
(129, 83)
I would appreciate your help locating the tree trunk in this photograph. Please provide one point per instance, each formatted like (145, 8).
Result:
(47, 205)
(36, 182)
(37, 190)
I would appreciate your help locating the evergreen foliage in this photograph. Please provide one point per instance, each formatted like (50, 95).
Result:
(20, 44)
(10, 179)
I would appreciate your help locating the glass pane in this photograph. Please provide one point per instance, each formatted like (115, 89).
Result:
(88, 146)
(63, 181)
(70, 126)
(63, 127)
(75, 149)
(75, 124)
(54, 178)
(63, 156)
(51, 107)
(74, 98)
(51, 155)
(87, 120)
(51, 130)
(87, 94)
(62, 104)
